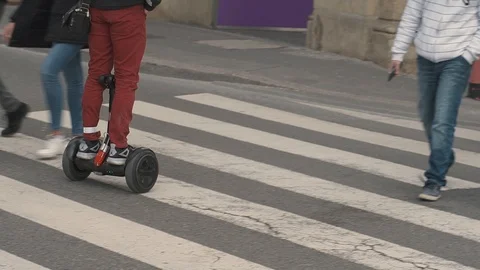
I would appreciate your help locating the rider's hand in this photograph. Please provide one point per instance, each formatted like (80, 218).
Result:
(146, 11)
(395, 65)
(8, 31)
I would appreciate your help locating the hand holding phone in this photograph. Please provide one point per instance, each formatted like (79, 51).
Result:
(394, 69)
(391, 74)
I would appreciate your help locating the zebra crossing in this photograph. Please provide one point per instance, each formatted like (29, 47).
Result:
(216, 209)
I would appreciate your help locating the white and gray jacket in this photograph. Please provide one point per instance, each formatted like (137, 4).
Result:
(441, 30)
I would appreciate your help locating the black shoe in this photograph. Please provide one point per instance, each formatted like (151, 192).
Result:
(15, 120)
(88, 149)
(118, 156)
(431, 192)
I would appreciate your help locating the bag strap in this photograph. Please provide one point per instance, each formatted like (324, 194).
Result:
(86, 2)
(85, 5)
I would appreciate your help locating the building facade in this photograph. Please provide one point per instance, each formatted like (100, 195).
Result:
(362, 29)
(276, 14)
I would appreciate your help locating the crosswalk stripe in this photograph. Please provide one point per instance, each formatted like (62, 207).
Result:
(114, 233)
(325, 238)
(167, 251)
(300, 183)
(9, 261)
(357, 134)
(460, 132)
(367, 164)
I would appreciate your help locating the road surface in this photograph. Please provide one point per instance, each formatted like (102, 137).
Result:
(251, 177)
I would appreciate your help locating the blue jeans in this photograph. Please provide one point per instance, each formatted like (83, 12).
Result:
(64, 57)
(441, 89)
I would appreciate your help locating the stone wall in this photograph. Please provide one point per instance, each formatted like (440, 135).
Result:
(383, 34)
(342, 26)
(198, 12)
(363, 29)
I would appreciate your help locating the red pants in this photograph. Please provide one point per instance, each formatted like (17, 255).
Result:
(117, 38)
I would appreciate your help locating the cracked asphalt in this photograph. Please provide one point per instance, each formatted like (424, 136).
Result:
(250, 171)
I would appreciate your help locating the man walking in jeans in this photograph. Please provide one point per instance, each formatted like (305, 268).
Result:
(447, 40)
(117, 38)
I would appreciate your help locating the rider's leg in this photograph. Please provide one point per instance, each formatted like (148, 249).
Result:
(101, 63)
(128, 34)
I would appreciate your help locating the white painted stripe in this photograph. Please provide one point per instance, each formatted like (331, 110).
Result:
(325, 238)
(352, 133)
(114, 233)
(370, 165)
(395, 121)
(355, 247)
(274, 176)
(416, 125)
(9, 261)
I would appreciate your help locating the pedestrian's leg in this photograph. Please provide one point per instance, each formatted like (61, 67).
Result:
(101, 63)
(427, 86)
(129, 41)
(58, 58)
(7, 100)
(428, 75)
(15, 111)
(452, 84)
(74, 76)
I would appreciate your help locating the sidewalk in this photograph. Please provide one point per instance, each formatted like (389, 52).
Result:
(280, 64)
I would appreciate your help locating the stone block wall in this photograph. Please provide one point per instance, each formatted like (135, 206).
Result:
(198, 12)
(342, 26)
(383, 34)
(363, 29)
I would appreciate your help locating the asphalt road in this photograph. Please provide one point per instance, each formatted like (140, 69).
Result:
(251, 177)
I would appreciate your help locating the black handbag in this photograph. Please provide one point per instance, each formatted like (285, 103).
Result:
(77, 21)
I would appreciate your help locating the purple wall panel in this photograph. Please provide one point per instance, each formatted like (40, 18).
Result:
(264, 13)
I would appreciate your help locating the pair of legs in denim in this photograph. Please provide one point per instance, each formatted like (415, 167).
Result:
(441, 89)
(64, 58)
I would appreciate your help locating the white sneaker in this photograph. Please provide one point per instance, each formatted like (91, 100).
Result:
(54, 146)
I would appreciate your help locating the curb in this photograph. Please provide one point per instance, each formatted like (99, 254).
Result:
(294, 87)
(281, 84)
(232, 34)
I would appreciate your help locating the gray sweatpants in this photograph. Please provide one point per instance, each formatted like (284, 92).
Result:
(8, 102)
